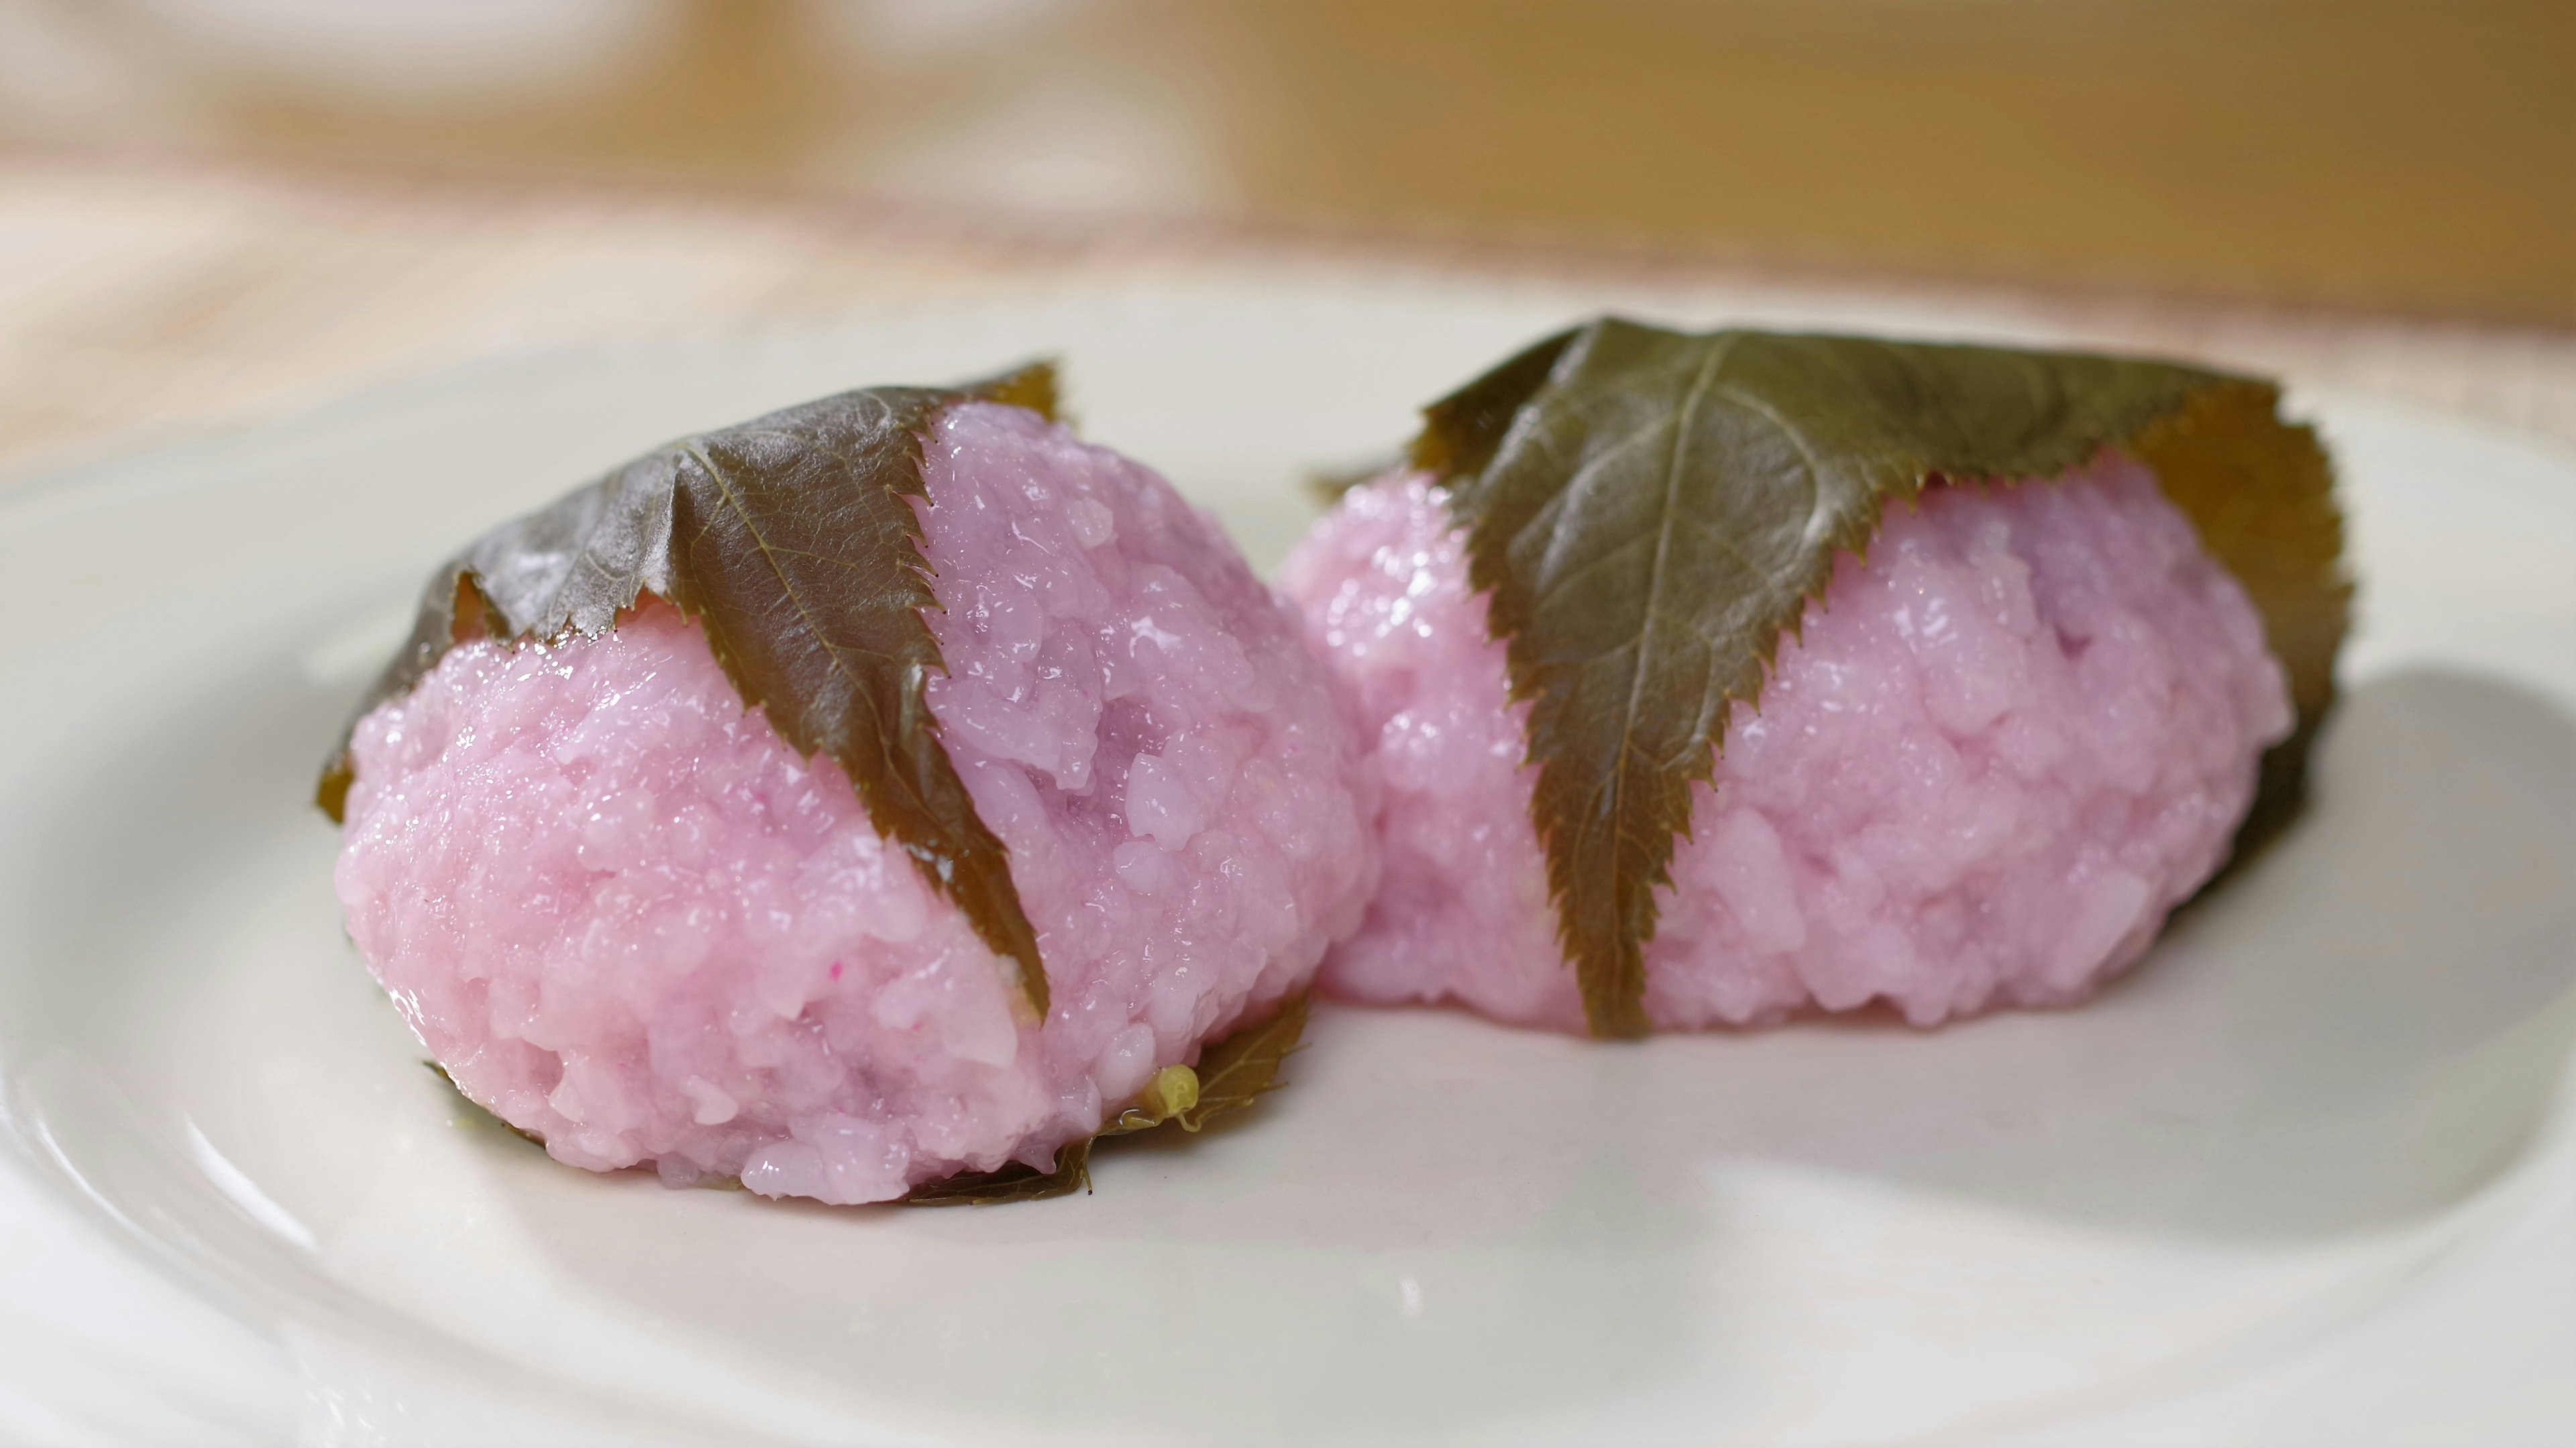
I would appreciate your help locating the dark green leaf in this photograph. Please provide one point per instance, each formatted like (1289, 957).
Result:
(790, 541)
(1231, 1075)
(1234, 1072)
(1648, 510)
(1013, 1182)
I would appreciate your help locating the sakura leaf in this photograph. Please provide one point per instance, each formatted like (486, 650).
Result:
(792, 540)
(1648, 510)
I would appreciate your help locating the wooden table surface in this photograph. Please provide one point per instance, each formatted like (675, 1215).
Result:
(146, 297)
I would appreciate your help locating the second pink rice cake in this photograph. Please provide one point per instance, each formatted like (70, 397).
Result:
(1713, 678)
(1996, 754)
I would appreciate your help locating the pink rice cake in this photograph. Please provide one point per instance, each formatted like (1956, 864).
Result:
(1992, 759)
(629, 919)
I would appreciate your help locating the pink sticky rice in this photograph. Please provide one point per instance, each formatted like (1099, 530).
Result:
(1999, 751)
(628, 918)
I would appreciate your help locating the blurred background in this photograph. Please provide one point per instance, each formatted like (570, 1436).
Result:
(211, 206)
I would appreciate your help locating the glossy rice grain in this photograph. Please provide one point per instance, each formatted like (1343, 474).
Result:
(2000, 750)
(628, 918)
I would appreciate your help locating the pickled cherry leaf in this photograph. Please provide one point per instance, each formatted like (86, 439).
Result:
(791, 540)
(1012, 1182)
(1647, 511)
(1232, 1073)
(1235, 1072)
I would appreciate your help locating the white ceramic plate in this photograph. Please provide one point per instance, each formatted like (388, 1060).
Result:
(2308, 1175)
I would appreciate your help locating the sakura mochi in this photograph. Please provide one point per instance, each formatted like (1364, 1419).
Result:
(1713, 679)
(880, 799)
(1997, 753)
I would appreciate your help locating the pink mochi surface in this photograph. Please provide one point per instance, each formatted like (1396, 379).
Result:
(1989, 762)
(627, 917)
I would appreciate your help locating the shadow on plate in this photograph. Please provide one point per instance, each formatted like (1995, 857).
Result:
(2362, 1031)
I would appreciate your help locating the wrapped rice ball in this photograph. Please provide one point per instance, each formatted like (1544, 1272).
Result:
(876, 800)
(1711, 679)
